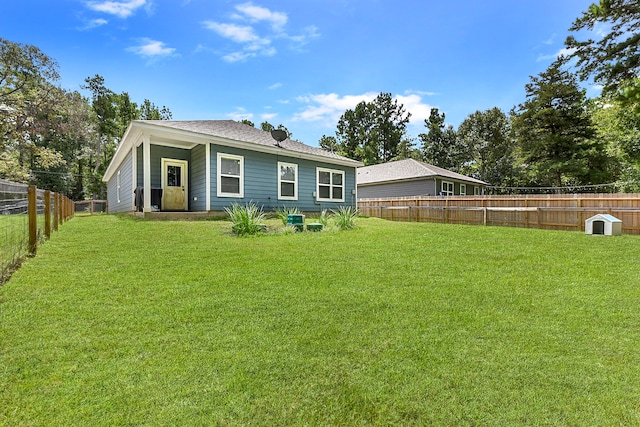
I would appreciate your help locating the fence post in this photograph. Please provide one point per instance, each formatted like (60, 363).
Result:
(33, 219)
(56, 208)
(61, 209)
(47, 214)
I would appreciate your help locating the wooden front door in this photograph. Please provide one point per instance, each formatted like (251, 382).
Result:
(174, 185)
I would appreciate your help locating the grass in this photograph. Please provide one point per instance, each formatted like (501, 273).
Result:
(119, 321)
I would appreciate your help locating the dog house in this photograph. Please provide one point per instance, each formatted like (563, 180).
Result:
(605, 224)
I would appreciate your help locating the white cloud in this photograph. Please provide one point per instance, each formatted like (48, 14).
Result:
(256, 14)
(550, 40)
(254, 37)
(268, 116)
(240, 114)
(562, 52)
(413, 104)
(308, 33)
(328, 108)
(237, 33)
(152, 48)
(237, 56)
(275, 86)
(94, 23)
(122, 9)
(244, 35)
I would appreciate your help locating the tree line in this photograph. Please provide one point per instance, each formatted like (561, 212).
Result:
(55, 138)
(556, 137)
(60, 140)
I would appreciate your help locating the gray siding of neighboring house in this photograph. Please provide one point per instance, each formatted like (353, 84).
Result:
(261, 182)
(456, 187)
(420, 187)
(124, 203)
(197, 179)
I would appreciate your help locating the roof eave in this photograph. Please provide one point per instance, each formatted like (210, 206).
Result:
(136, 129)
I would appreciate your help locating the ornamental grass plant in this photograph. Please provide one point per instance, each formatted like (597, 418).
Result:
(246, 220)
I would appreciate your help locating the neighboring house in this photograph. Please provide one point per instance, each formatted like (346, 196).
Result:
(202, 166)
(413, 178)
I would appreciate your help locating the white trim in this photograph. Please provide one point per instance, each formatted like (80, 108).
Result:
(207, 156)
(295, 181)
(219, 175)
(447, 192)
(462, 185)
(476, 190)
(331, 185)
(118, 183)
(146, 183)
(134, 176)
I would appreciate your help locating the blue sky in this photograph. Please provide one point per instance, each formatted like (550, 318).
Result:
(301, 63)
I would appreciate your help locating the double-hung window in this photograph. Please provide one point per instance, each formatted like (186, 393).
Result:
(230, 175)
(447, 188)
(463, 189)
(287, 181)
(330, 185)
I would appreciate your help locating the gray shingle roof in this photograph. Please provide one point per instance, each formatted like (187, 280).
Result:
(407, 169)
(237, 131)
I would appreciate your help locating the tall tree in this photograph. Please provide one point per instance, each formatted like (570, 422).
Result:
(149, 111)
(555, 134)
(329, 143)
(614, 59)
(486, 137)
(618, 128)
(373, 131)
(27, 94)
(440, 145)
(103, 104)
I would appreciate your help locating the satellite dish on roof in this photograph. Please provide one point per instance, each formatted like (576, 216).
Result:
(279, 135)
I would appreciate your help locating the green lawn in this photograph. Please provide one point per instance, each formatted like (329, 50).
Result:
(119, 321)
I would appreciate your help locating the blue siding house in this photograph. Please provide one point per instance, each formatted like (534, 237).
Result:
(207, 165)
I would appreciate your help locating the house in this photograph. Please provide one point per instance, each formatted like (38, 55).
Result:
(411, 177)
(207, 165)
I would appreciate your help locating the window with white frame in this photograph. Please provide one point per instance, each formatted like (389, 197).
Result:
(476, 191)
(230, 175)
(287, 181)
(446, 188)
(330, 185)
(463, 189)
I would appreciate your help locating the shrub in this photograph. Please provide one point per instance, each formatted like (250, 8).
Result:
(284, 213)
(324, 218)
(288, 229)
(345, 217)
(247, 220)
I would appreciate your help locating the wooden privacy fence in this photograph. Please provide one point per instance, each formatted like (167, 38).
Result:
(28, 216)
(552, 211)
